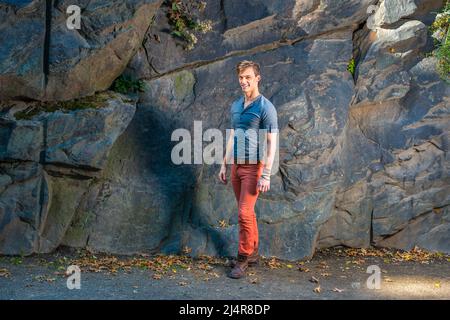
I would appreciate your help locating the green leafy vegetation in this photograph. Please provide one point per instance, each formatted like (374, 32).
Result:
(125, 85)
(351, 66)
(183, 19)
(440, 30)
(16, 260)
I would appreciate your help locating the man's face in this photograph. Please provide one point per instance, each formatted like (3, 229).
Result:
(247, 80)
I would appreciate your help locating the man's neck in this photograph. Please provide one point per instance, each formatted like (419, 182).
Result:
(251, 96)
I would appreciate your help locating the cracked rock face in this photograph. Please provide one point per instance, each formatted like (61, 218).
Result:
(42, 59)
(243, 26)
(47, 164)
(341, 138)
(363, 159)
(397, 195)
(22, 37)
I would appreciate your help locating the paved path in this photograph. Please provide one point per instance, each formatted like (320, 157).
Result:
(338, 275)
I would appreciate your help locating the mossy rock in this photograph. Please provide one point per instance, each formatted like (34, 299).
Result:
(92, 102)
(183, 84)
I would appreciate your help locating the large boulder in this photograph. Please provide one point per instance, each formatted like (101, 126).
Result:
(398, 127)
(22, 38)
(83, 138)
(20, 140)
(22, 188)
(42, 59)
(82, 62)
(391, 11)
(47, 163)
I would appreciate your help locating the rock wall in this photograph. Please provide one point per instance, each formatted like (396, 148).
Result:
(42, 59)
(47, 164)
(363, 158)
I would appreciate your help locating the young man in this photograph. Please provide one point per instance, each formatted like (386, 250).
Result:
(254, 122)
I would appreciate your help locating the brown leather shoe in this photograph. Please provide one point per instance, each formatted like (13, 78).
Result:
(253, 259)
(240, 267)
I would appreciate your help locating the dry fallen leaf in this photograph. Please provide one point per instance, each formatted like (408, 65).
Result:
(314, 279)
(204, 266)
(337, 290)
(187, 250)
(42, 278)
(317, 290)
(5, 273)
(358, 261)
(274, 264)
(254, 280)
(223, 224)
(302, 269)
(394, 255)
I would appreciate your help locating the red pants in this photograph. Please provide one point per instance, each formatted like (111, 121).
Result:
(244, 178)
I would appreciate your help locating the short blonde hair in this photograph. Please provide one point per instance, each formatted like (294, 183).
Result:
(248, 64)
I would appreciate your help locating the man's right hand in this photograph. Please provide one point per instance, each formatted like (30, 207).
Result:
(223, 174)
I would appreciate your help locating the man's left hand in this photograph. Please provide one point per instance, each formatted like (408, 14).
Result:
(263, 185)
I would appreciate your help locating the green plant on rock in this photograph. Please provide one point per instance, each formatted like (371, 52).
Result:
(16, 260)
(182, 18)
(440, 30)
(351, 66)
(125, 85)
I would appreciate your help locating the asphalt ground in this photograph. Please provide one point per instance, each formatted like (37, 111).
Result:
(336, 273)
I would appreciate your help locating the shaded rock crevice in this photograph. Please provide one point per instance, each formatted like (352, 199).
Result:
(47, 37)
